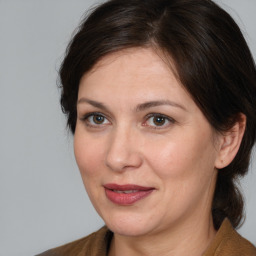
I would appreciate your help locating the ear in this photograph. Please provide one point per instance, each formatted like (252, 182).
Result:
(230, 142)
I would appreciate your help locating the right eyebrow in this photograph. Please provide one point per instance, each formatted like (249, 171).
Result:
(93, 103)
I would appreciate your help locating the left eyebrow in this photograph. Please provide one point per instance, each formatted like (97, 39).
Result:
(151, 104)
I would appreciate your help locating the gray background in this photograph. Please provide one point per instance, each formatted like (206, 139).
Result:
(42, 199)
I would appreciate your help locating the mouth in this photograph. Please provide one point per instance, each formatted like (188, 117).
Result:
(126, 194)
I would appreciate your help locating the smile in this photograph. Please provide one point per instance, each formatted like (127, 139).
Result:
(125, 191)
(126, 194)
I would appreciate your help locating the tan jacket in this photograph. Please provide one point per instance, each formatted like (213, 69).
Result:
(227, 242)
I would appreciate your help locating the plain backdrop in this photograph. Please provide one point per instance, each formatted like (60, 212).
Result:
(42, 198)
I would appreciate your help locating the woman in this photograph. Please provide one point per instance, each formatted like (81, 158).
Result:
(160, 97)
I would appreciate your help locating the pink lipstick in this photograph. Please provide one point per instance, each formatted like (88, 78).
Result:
(126, 194)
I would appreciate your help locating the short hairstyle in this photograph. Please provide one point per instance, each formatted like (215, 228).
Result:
(211, 57)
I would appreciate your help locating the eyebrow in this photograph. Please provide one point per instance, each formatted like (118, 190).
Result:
(93, 103)
(151, 104)
(140, 107)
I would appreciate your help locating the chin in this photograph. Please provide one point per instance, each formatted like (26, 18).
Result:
(129, 225)
(128, 230)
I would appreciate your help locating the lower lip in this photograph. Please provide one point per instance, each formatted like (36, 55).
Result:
(127, 199)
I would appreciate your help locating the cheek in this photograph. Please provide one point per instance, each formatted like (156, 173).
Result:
(89, 157)
(88, 154)
(185, 170)
(180, 158)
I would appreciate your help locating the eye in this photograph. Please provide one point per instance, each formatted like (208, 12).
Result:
(158, 121)
(95, 120)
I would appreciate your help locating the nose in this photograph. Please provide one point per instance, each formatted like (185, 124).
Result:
(123, 150)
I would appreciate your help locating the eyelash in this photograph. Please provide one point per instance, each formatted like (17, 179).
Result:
(157, 115)
(165, 118)
(86, 117)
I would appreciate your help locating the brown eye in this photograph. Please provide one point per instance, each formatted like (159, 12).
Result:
(97, 119)
(159, 120)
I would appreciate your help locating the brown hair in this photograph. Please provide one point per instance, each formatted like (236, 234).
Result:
(211, 57)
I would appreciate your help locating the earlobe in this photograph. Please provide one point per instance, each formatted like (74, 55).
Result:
(230, 142)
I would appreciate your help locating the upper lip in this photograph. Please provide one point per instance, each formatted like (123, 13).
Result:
(112, 186)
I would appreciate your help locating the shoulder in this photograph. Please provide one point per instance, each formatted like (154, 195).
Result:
(93, 244)
(229, 243)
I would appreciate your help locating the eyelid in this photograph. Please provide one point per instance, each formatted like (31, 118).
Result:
(85, 118)
(168, 118)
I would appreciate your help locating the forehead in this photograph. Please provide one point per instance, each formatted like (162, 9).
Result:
(130, 67)
(140, 62)
(141, 55)
(133, 75)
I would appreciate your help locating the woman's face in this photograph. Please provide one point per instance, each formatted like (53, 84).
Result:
(145, 151)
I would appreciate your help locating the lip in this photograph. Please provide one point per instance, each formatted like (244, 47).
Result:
(127, 194)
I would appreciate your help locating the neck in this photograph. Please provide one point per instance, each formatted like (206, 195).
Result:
(193, 238)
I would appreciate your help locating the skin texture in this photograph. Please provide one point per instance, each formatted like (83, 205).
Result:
(124, 144)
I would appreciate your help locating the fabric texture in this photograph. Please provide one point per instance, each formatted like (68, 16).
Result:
(227, 242)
